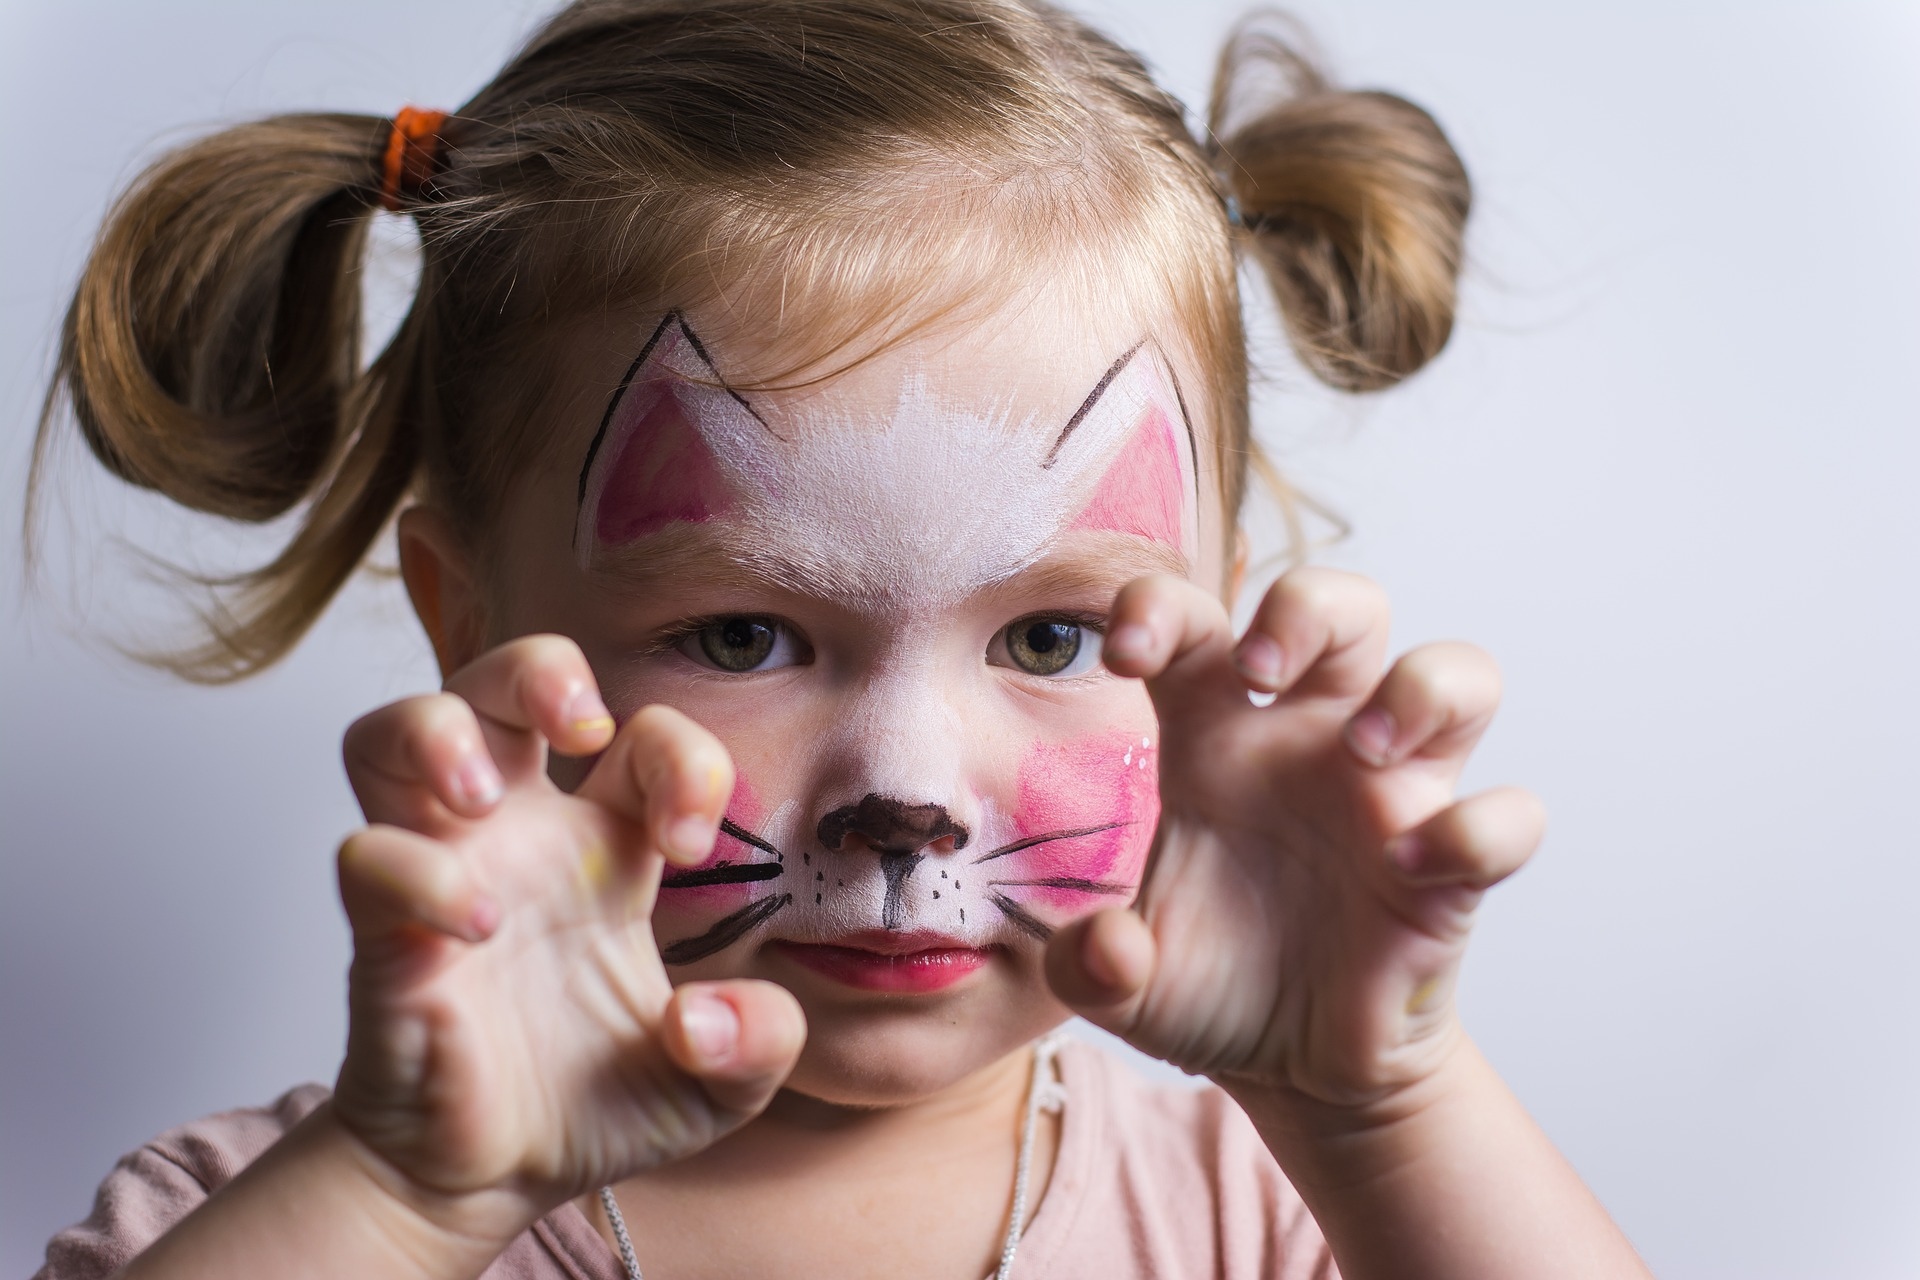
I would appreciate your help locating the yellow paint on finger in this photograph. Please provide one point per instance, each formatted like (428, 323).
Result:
(595, 726)
(1422, 994)
(596, 867)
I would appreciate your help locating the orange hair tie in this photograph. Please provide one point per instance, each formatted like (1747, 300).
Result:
(413, 153)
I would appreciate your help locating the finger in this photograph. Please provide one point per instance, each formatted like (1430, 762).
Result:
(532, 688)
(1474, 843)
(1099, 965)
(670, 775)
(1318, 633)
(1176, 637)
(393, 880)
(1435, 702)
(740, 1039)
(408, 758)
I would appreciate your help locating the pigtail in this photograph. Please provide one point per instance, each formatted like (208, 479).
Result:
(211, 354)
(1353, 203)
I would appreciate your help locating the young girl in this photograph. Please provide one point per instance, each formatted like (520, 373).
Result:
(820, 432)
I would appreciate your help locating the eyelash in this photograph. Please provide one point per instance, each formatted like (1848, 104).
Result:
(1091, 624)
(675, 639)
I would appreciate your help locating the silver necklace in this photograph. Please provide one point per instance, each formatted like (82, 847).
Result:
(1044, 1093)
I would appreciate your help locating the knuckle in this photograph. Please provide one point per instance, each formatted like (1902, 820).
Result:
(545, 651)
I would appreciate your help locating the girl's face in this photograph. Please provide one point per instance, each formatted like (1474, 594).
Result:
(885, 594)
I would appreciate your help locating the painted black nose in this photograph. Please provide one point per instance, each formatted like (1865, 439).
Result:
(890, 826)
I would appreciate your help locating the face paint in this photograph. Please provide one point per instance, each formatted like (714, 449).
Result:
(926, 505)
(1075, 835)
(1086, 814)
(900, 514)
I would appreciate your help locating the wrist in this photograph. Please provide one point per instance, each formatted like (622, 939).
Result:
(1339, 1145)
(443, 1232)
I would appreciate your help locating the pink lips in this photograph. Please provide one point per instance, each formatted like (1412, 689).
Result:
(878, 960)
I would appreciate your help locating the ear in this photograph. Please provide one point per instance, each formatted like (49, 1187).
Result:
(440, 580)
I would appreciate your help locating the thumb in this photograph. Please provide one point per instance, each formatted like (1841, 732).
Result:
(1099, 966)
(738, 1038)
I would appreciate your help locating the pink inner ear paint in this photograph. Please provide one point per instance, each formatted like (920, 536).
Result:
(664, 473)
(1141, 490)
(1108, 780)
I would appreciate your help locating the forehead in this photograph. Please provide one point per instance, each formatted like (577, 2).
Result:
(947, 457)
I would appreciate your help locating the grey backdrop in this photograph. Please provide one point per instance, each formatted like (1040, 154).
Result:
(1665, 474)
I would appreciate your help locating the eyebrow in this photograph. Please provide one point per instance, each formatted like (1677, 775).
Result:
(1100, 560)
(668, 321)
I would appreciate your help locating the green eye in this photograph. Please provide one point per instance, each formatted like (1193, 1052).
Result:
(1043, 646)
(737, 644)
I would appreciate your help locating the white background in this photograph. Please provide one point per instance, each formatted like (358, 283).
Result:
(1665, 473)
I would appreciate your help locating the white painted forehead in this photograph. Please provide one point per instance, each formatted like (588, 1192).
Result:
(927, 497)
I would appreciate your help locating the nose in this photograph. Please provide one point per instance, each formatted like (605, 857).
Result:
(890, 825)
(896, 830)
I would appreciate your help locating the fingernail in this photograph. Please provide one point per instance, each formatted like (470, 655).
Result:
(1407, 851)
(1261, 661)
(689, 839)
(1129, 640)
(1370, 734)
(484, 918)
(587, 713)
(478, 781)
(711, 1026)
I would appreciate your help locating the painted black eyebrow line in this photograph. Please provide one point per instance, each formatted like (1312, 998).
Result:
(1046, 838)
(728, 931)
(1093, 398)
(626, 380)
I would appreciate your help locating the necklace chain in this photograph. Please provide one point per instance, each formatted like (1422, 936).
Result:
(1044, 1093)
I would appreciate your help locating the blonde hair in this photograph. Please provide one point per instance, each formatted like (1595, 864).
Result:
(879, 158)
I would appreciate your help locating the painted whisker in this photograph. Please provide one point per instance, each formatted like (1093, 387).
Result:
(1079, 884)
(725, 873)
(729, 827)
(1021, 917)
(1047, 837)
(729, 930)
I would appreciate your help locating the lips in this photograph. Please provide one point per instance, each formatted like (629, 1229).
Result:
(881, 960)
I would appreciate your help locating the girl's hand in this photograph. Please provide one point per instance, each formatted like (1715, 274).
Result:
(513, 1032)
(1313, 879)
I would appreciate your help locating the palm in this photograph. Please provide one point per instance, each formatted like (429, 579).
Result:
(540, 1045)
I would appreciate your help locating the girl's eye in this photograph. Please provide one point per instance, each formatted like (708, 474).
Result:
(1047, 647)
(742, 644)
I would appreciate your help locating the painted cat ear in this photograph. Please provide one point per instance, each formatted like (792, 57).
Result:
(1133, 449)
(656, 460)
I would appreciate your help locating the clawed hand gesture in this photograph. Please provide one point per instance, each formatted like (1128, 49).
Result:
(512, 1029)
(1311, 886)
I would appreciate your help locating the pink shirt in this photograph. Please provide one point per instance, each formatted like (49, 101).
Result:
(1150, 1181)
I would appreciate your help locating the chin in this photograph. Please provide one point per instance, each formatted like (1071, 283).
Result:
(895, 1050)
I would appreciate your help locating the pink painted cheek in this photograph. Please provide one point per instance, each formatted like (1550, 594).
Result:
(1141, 492)
(664, 474)
(1109, 781)
(745, 811)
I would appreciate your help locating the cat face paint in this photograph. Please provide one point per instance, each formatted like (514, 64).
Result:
(926, 505)
(920, 807)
